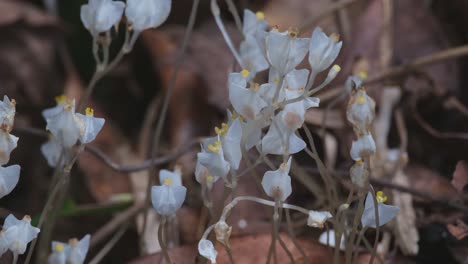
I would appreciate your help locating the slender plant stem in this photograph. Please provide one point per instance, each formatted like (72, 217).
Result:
(162, 240)
(293, 237)
(109, 245)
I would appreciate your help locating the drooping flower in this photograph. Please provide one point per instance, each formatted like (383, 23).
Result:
(8, 143)
(204, 177)
(72, 253)
(89, 126)
(361, 111)
(19, 233)
(78, 249)
(277, 184)
(359, 174)
(62, 122)
(323, 50)
(385, 212)
(9, 177)
(7, 114)
(168, 197)
(223, 232)
(212, 157)
(281, 139)
(285, 50)
(207, 250)
(54, 152)
(363, 147)
(318, 218)
(246, 101)
(145, 14)
(99, 16)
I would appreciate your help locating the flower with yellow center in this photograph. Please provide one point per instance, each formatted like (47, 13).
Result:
(323, 50)
(380, 197)
(385, 212)
(168, 197)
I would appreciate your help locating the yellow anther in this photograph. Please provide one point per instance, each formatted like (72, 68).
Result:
(335, 37)
(216, 147)
(89, 111)
(284, 166)
(276, 80)
(362, 75)
(59, 247)
(209, 179)
(336, 67)
(235, 115)
(61, 99)
(293, 32)
(73, 242)
(245, 73)
(361, 100)
(223, 130)
(260, 15)
(167, 181)
(359, 162)
(380, 197)
(254, 86)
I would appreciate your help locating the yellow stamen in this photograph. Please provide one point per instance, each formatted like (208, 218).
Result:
(335, 37)
(209, 179)
(361, 100)
(89, 111)
(216, 148)
(260, 15)
(59, 247)
(276, 80)
(223, 130)
(235, 115)
(380, 197)
(284, 166)
(293, 32)
(362, 75)
(167, 181)
(245, 73)
(60, 99)
(336, 68)
(359, 162)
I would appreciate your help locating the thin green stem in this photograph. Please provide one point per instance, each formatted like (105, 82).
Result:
(162, 240)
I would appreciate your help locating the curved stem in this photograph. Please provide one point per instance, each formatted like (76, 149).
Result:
(162, 239)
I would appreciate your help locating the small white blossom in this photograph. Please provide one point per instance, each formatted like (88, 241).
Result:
(323, 50)
(353, 82)
(207, 250)
(328, 238)
(72, 253)
(8, 143)
(212, 157)
(318, 218)
(281, 139)
(285, 50)
(99, 16)
(62, 122)
(19, 233)
(253, 22)
(277, 184)
(363, 147)
(9, 177)
(145, 14)
(386, 212)
(361, 111)
(89, 126)
(77, 250)
(246, 101)
(7, 114)
(252, 56)
(170, 195)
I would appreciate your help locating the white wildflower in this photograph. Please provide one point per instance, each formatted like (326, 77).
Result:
(385, 212)
(323, 50)
(99, 16)
(277, 184)
(170, 195)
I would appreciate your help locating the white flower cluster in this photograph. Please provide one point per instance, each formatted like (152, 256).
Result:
(277, 107)
(9, 176)
(360, 113)
(98, 16)
(72, 253)
(16, 235)
(67, 128)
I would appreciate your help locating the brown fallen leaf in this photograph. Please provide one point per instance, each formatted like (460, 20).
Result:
(460, 175)
(459, 230)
